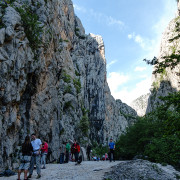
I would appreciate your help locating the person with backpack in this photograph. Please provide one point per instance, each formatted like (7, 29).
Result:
(27, 150)
(111, 150)
(44, 152)
(36, 156)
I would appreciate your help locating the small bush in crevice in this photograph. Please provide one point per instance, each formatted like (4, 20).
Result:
(32, 26)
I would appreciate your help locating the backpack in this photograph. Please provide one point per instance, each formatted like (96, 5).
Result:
(49, 150)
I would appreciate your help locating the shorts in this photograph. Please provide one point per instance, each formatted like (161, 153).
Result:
(26, 164)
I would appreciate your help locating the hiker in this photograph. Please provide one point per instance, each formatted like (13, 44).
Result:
(77, 150)
(72, 152)
(67, 151)
(88, 151)
(36, 156)
(44, 152)
(106, 156)
(111, 150)
(27, 150)
(62, 149)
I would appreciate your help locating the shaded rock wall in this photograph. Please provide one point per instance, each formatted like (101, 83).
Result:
(169, 80)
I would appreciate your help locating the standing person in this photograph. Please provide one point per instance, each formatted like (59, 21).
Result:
(67, 151)
(62, 152)
(44, 151)
(111, 150)
(37, 145)
(77, 150)
(72, 151)
(88, 150)
(27, 150)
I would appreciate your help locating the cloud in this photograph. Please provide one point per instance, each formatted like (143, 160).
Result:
(115, 80)
(127, 96)
(111, 63)
(79, 8)
(100, 17)
(138, 68)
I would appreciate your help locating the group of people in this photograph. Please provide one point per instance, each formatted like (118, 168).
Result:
(33, 151)
(110, 155)
(69, 152)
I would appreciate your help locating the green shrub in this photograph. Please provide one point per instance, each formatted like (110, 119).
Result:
(67, 105)
(66, 78)
(155, 136)
(31, 26)
(77, 85)
(99, 150)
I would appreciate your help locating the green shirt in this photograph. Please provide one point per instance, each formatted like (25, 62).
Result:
(68, 147)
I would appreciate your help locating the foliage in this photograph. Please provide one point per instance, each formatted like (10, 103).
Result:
(169, 61)
(32, 26)
(77, 85)
(84, 123)
(67, 105)
(156, 136)
(99, 150)
(68, 89)
(66, 78)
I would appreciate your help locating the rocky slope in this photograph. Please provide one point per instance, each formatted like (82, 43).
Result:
(141, 169)
(53, 79)
(169, 80)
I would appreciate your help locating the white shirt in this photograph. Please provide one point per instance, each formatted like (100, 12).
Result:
(36, 144)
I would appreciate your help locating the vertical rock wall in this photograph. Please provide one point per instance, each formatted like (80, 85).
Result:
(169, 80)
(53, 90)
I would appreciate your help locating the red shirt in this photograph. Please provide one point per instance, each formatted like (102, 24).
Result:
(45, 148)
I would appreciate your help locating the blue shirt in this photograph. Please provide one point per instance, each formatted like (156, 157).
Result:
(111, 145)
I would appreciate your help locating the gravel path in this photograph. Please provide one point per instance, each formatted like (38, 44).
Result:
(88, 170)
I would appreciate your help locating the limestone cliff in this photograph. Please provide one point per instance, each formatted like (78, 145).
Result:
(140, 104)
(53, 79)
(169, 80)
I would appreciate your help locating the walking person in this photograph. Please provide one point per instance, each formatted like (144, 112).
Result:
(44, 152)
(27, 150)
(62, 152)
(77, 150)
(88, 151)
(36, 156)
(111, 150)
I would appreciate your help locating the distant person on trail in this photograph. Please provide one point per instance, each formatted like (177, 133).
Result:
(62, 152)
(44, 151)
(88, 151)
(76, 148)
(67, 151)
(27, 150)
(72, 151)
(36, 156)
(111, 150)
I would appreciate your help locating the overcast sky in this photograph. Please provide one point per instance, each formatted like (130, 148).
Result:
(131, 30)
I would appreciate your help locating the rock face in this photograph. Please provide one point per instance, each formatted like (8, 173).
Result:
(57, 88)
(140, 104)
(169, 80)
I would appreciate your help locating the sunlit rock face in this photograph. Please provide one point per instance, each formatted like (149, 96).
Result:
(169, 80)
(140, 104)
(52, 89)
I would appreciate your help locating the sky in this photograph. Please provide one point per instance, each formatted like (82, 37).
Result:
(131, 31)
